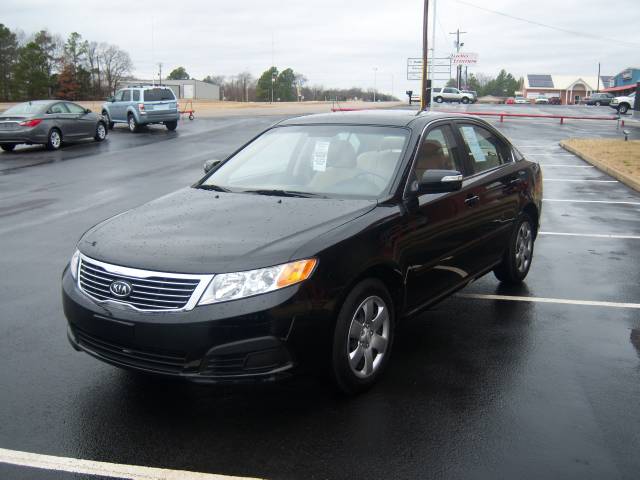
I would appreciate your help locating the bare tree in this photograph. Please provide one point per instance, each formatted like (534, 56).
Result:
(116, 65)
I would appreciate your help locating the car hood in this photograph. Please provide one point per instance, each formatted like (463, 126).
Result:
(203, 231)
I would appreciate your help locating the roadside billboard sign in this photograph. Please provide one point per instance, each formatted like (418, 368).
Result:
(438, 68)
(464, 58)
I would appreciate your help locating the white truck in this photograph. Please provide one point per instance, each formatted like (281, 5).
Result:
(624, 104)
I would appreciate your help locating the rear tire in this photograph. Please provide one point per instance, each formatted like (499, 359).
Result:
(8, 147)
(133, 124)
(598, 104)
(519, 254)
(439, 99)
(465, 100)
(171, 126)
(363, 337)
(54, 139)
(101, 132)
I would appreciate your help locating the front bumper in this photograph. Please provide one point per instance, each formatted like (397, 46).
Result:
(260, 338)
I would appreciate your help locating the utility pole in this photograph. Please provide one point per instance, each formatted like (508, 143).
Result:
(598, 89)
(457, 33)
(375, 83)
(160, 65)
(426, 91)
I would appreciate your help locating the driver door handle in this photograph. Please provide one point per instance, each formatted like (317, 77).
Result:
(472, 200)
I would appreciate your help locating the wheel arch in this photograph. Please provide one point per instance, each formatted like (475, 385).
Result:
(532, 210)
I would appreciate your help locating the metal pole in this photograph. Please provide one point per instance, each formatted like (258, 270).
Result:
(375, 82)
(433, 31)
(598, 89)
(424, 100)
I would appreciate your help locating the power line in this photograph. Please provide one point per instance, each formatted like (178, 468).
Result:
(540, 24)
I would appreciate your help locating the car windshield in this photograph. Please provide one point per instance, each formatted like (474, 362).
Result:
(315, 160)
(26, 108)
(158, 95)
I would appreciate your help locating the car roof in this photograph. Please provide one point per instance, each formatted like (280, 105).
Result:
(394, 118)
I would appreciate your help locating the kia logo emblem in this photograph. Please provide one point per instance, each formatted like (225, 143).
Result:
(120, 288)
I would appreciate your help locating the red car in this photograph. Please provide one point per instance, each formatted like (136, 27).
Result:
(555, 101)
(510, 101)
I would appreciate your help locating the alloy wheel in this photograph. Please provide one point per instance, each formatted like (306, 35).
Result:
(54, 138)
(368, 336)
(524, 247)
(102, 133)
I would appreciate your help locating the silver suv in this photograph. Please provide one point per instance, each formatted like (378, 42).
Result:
(142, 105)
(450, 94)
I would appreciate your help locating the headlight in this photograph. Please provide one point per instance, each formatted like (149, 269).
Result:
(232, 286)
(73, 265)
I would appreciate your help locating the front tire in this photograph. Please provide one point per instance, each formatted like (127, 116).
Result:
(517, 258)
(465, 100)
(363, 337)
(8, 147)
(623, 108)
(598, 104)
(54, 139)
(133, 124)
(439, 99)
(108, 119)
(171, 126)
(101, 132)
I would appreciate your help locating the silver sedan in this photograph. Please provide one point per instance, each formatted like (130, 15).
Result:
(49, 122)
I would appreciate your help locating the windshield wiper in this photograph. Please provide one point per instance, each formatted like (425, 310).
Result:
(215, 188)
(284, 193)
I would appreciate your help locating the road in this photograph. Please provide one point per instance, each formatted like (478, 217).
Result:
(535, 384)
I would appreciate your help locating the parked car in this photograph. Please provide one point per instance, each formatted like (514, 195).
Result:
(450, 94)
(50, 123)
(541, 100)
(510, 101)
(142, 105)
(306, 247)
(598, 99)
(555, 101)
(623, 104)
(520, 100)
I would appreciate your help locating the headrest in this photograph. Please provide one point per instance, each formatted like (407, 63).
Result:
(431, 147)
(341, 154)
(392, 143)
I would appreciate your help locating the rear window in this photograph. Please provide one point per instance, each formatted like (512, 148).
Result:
(24, 109)
(158, 95)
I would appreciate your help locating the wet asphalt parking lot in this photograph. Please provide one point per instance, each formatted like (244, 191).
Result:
(530, 382)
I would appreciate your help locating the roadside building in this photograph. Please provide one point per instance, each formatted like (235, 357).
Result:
(625, 82)
(570, 89)
(191, 89)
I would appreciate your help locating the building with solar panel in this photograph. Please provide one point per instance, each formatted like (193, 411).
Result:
(571, 90)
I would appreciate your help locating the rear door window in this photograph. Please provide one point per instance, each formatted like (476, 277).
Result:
(485, 149)
(136, 95)
(158, 95)
(58, 108)
(126, 96)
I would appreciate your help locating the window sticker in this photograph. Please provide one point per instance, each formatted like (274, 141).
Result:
(320, 153)
(471, 138)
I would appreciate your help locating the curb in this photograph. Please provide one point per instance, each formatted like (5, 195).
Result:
(615, 173)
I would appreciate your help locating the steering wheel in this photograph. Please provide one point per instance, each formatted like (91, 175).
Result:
(366, 172)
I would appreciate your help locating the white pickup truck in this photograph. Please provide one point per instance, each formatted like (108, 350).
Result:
(624, 104)
(450, 94)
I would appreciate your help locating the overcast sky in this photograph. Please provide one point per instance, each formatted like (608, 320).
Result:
(338, 43)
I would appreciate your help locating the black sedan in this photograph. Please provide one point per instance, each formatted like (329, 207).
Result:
(306, 247)
(49, 122)
(598, 99)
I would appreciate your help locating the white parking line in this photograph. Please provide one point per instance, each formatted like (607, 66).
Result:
(612, 202)
(546, 165)
(591, 235)
(578, 180)
(562, 301)
(104, 469)
(549, 155)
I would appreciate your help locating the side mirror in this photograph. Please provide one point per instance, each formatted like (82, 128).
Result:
(111, 99)
(87, 110)
(440, 181)
(209, 164)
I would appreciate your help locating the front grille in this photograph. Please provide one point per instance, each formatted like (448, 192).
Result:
(167, 362)
(154, 291)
